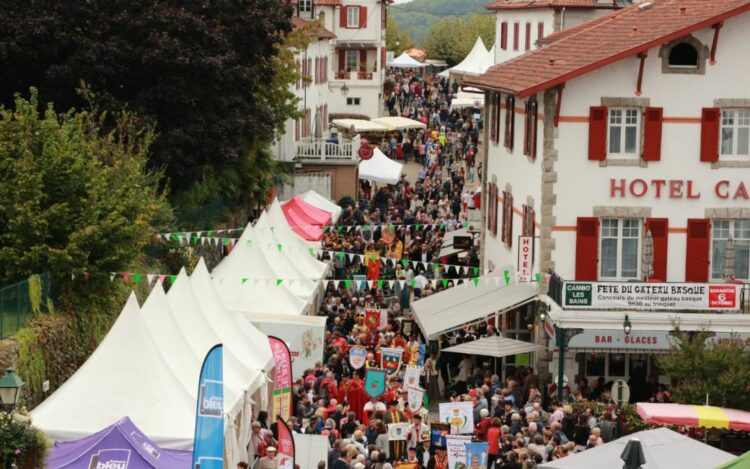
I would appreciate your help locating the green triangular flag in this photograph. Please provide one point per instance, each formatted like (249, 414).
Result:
(413, 283)
(326, 228)
(476, 282)
(279, 246)
(425, 400)
(209, 233)
(404, 262)
(442, 226)
(466, 224)
(445, 283)
(225, 241)
(476, 270)
(538, 277)
(278, 281)
(340, 228)
(347, 283)
(507, 277)
(172, 278)
(312, 251)
(137, 278)
(380, 284)
(244, 279)
(342, 255)
(417, 226)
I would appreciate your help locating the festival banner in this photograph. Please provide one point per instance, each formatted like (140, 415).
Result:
(456, 447)
(390, 360)
(476, 455)
(372, 318)
(411, 376)
(415, 397)
(282, 380)
(375, 382)
(286, 445)
(459, 415)
(373, 264)
(357, 357)
(208, 448)
(398, 431)
(406, 465)
(417, 355)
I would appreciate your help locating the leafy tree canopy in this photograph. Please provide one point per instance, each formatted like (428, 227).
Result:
(720, 371)
(397, 40)
(74, 199)
(451, 39)
(191, 69)
(419, 16)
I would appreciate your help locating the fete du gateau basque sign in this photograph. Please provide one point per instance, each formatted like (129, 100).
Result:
(650, 296)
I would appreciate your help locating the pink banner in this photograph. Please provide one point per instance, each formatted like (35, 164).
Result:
(282, 381)
(286, 445)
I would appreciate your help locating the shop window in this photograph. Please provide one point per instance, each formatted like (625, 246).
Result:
(739, 232)
(624, 124)
(616, 365)
(595, 364)
(735, 133)
(620, 246)
(638, 365)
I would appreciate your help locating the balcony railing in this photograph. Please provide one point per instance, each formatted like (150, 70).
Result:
(351, 75)
(321, 150)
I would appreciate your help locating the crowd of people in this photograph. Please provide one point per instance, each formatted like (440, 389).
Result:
(399, 230)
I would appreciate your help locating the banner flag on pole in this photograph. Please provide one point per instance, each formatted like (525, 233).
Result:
(282, 380)
(208, 449)
(286, 445)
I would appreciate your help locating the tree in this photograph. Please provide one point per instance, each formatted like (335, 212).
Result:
(74, 199)
(418, 16)
(397, 40)
(719, 370)
(193, 70)
(451, 39)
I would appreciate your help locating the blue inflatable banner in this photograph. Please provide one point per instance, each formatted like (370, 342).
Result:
(208, 448)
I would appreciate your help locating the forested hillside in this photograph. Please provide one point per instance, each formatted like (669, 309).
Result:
(418, 16)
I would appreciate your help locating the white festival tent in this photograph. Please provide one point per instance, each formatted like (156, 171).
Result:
(259, 294)
(473, 61)
(464, 99)
(405, 61)
(399, 123)
(126, 375)
(313, 198)
(380, 168)
(488, 62)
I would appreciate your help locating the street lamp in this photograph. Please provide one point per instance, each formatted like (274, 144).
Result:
(627, 326)
(10, 389)
(542, 312)
(344, 90)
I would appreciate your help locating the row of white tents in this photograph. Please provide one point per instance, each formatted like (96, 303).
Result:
(147, 366)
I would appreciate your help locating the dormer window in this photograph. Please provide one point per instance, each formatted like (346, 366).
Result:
(685, 55)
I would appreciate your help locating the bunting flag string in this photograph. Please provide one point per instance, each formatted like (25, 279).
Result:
(394, 261)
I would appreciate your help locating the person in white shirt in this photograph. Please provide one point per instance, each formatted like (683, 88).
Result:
(416, 430)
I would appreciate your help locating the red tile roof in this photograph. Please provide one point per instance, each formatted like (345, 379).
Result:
(606, 40)
(328, 2)
(528, 4)
(322, 32)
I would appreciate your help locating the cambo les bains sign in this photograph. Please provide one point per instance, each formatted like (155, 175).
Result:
(650, 296)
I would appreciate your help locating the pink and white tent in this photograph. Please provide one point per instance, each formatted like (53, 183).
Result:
(305, 219)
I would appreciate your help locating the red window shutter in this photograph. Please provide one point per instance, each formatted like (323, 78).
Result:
(498, 111)
(540, 30)
(516, 28)
(362, 60)
(527, 41)
(493, 116)
(698, 245)
(297, 84)
(317, 69)
(512, 124)
(533, 126)
(587, 248)
(597, 133)
(659, 233)
(710, 120)
(296, 130)
(504, 35)
(526, 129)
(509, 216)
(652, 134)
(504, 225)
(343, 12)
(494, 201)
(342, 60)
(362, 17)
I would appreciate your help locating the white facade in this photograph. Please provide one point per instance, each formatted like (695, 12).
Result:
(562, 184)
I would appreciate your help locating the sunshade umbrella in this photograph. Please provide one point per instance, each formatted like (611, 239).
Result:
(728, 270)
(633, 455)
(694, 415)
(739, 463)
(647, 261)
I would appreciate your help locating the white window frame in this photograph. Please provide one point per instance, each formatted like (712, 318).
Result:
(350, 101)
(305, 6)
(605, 233)
(721, 230)
(622, 118)
(352, 22)
(734, 122)
(347, 60)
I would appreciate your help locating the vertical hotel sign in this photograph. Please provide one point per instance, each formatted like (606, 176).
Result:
(282, 381)
(525, 258)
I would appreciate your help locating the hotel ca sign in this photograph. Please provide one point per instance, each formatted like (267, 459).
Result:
(620, 188)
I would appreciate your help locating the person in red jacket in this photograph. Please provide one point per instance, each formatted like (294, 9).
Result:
(484, 424)
(493, 440)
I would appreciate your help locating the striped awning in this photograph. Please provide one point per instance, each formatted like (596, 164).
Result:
(694, 416)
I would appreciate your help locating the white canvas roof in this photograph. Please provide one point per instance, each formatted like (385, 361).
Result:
(399, 123)
(359, 125)
(465, 99)
(126, 375)
(473, 61)
(250, 345)
(662, 449)
(380, 168)
(447, 248)
(313, 198)
(405, 61)
(495, 346)
(489, 61)
(466, 303)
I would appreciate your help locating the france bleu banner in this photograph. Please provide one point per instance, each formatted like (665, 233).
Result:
(208, 448)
